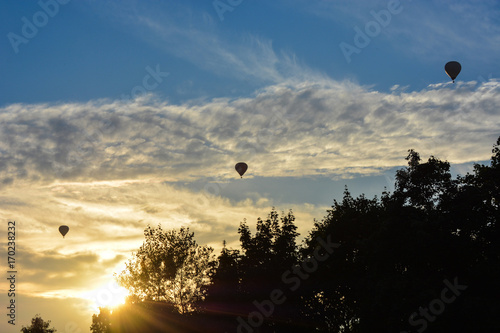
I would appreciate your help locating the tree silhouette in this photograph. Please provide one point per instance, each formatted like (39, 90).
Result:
(226, 279)
(422, 184)
(244, 278)
(102, 322)
(169, 267)
(396, 252)
(38, 325)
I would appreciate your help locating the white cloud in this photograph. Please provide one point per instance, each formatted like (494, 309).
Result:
(313, 128)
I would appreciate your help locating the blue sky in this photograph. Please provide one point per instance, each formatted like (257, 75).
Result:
(119, 114)
(92, 49)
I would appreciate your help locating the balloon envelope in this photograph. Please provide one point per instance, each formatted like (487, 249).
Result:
(241, 168)
(453, 68)
(63, 230)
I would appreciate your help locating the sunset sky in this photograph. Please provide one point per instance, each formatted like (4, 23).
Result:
(117, 114)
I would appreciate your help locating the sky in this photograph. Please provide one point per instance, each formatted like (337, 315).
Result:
(115, 115)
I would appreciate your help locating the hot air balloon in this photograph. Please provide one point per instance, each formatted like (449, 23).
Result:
(453, 68)
(63, 230)
(241, 168)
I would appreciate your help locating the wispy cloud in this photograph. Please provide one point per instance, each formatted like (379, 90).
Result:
(193, 35)
(250, 58)
(450, 29)
(423, 29)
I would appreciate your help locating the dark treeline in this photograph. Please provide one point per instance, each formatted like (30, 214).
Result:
(425, 257)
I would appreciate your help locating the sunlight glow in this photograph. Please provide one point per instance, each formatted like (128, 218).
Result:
(110, 295)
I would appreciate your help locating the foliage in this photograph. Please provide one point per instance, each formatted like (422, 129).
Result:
(102, 322)
(250, 275)
(396, 252)
(38, 325)
(169, 267)
(272, 249)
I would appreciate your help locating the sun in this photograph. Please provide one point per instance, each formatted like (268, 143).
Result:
(109, 295)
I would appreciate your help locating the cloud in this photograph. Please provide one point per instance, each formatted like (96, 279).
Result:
(251, 57)
(191, 34)
(322, 128)
(107, 217)
(50, 272)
